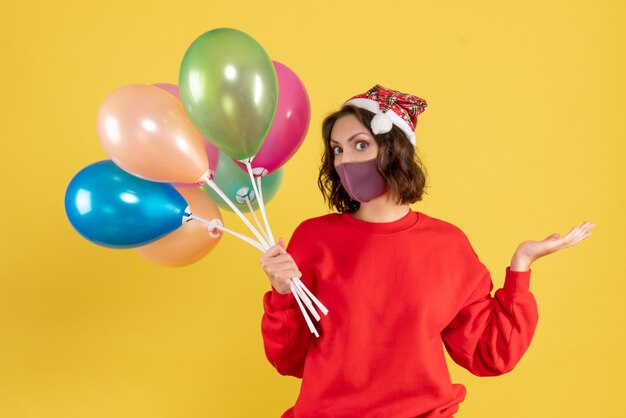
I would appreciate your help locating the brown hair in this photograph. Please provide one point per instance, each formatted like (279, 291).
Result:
(402, 169)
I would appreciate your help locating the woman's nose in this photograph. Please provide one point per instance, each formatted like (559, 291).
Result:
(345, 157)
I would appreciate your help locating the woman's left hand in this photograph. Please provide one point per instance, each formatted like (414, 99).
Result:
(529, 251)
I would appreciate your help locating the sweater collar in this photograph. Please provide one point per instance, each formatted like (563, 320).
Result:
(404, 223)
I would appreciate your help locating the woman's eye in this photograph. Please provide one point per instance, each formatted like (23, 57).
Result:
(364, 145)
(337, 150)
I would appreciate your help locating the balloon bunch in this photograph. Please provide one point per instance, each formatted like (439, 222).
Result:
(221, 136)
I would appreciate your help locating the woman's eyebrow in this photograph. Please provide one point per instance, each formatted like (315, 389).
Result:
(349, 139)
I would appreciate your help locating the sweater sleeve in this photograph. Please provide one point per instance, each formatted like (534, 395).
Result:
(283, 327)
(489, 335)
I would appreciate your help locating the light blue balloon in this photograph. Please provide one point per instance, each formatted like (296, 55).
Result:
(115, 209)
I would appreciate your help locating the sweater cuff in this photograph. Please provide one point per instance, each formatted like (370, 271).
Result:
(516, 282)
(282, 302)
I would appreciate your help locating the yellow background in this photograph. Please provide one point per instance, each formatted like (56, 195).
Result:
(523, 136)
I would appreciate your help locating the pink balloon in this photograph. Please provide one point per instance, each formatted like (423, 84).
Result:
(212, 152)
(170, 88)
(147, 133)
(290, 125)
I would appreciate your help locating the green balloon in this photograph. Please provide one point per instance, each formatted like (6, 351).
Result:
(235, 183)
(229, 88)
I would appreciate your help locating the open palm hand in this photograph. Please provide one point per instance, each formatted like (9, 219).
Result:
(532, 250)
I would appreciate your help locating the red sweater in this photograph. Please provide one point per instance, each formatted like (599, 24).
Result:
(397, 293)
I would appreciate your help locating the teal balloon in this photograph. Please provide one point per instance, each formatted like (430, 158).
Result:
(236, 184)
(115, 209)
(229, 88)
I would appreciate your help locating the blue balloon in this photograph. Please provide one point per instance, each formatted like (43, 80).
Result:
(115, 209)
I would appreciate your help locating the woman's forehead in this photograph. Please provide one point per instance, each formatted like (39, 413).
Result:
(346, 129)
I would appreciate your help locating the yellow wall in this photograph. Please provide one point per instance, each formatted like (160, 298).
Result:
(523, 136)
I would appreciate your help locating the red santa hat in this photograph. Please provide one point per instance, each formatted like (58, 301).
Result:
(390, 107)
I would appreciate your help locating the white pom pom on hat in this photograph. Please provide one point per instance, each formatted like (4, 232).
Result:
(391, 107)
(381, 123)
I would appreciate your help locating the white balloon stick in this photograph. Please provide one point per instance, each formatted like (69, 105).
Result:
(258, 224)
(215, 225)
(306, 317)
(259, 196)
(306, 300)
(319, 304)
(260, 189)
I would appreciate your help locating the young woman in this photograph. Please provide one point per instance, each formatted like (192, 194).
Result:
(400, 285)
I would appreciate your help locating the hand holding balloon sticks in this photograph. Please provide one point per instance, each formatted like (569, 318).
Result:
(246, 189)
(298, 289)
(301, 293)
